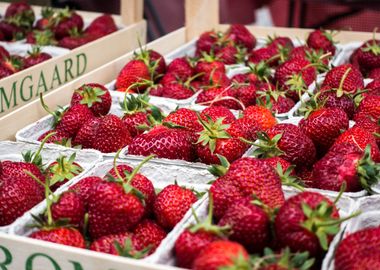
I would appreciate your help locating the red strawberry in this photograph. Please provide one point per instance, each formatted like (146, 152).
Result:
(59, 137)
(298, 223)
(164, 143)
(266, 54)
(206, 42)
(368, 123)
(215, 78)
(5, 72)
(222, 96)
(322, 40)
(373, 87)
(177, 90)
(73, 118)
(111, 134)
(345, 162)
(87, 133)
(156, 62)
(329, 98)
(245, 128)
(149, 235)
(231, 55)
(186, 118)
(221, 254)
(15, 169)
(64, 236)
(275, 100)
(368, 55)
(250, 225)
(67, 21)
(62, 170)
(4, 54)
(76, 40)
(209, 63)
(109, 243)
(240, 35)
(41, 38)
(246, 93)
(47, 19)
(359, 250)
(344, 77)
(261, 115)
(11, 31)
(354, 58)
(102, 25)
(216, 112)
(96, 96)
(323, 126)
(84, 186)
(171, 205)
(370, 106)
(35, 57)
(181, 68)
(374, 74)
(69, 207)
(133, 77)
(280, 41)
(14, 63)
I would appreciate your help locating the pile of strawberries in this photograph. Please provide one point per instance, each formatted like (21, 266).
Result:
(118, 214)
(278, 74)
(61, 27)
(19, 191)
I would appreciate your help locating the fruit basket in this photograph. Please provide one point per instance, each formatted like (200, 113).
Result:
(24, 86)
(12, 151)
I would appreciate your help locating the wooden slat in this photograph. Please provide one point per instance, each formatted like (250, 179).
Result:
(131, 11)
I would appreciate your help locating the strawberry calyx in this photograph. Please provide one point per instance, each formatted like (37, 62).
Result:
(13, 63)
(144, 56)
(35, 157)
(261, 70)
(206, 225)
(44, 38)
(36, 50)
(266, 146)
(141, 83)
(330, 34)
(212, 132)
(57, 115)
(64, 169)
(133, 104)
(220, 169)
(62, 14)
(368, 170)
(24, 19)
(209, 57)
(47, 12)
(90, 94)
(296, 84)
(316, 57)
(286, 259)
(238, 263)
(288, 178)
(128, 251)
(312, 105)
(373, 48)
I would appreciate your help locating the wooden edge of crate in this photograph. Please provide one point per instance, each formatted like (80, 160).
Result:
(22, 253)
(33, 111)
(24, 86)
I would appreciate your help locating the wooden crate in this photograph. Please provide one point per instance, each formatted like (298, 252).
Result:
(25, 86)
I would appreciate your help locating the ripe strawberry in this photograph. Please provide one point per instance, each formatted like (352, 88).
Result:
(261, 115)
(322, 40)
(84, 186)
(240, 35)
(164, 143)
(209, 63)
(346, 162)
(323, 126)
(222, 96)
(250, 225)
(288, 142)
(359, 250)
(20, 15)
(269, 55)
(171, 205)
(41, 37)
(277, 41)
(368, 55)
(196, 237)
(177, 89)
(370, 106)
(111, 134)
(109, 243)
(344, 78)
(134, 76)
(73, 118)
(361, 138)
(181, 68)
(15, 169)
(186, 118)
(11, 31)
(301, 223)
(368, 123)
(148, 234)
(17, 195)
(35, 57)
(275, 100)
(96, 96)
(216, 112)
(373, 87)
(76, 40)
(219, 254)
(214, 140)
(62, 170)
(230, 55)
(47, 19)
(153, 60)
(206, 42)
(67, 21)
(59, 137)
(4, 54)
(87, 133)
(244, 128)
(101, 26)
(374, 74)
(70, 207)
(329, 97)
(64, 236)
(5, 72)
(14, 63)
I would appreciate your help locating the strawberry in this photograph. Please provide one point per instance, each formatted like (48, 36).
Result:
(223, 96)
(96, 96)
(216, 112)
(361, 138)
(368, 55)
(301, 223)
(245, 93)
(67, 21)
(368, 123)
(57, 137)
(230, 55)
(196, 237)
(181, 68)
(240, 35)
(171, 143)
(277, 41)
(70, 207)
(214, 140)
(19, 17)
(275, 100)
(35, 57)
(4, 54)
(186, 118)
(207, 42)
(76, 40)
(323, 126)
(21, 9)
(374, 74)
(250, 225)
(177, 89)
(41, 37)
(220, 254)
(288, 142)
(12, 30)
(330, 99)
(148, 235)
(322, 40)
(111, 134)
(87, 133)
(358, 250)
(62, 170)
(73, 118)
(84, 186)
(110, 244)
(347, 163)
(373, 87)
(317, 57)
(370, 106)
(47, 19)
(244, 128)
(267, 55)
(133, 76)
(209, 63)
(14, 63)
(344, 78)
(64, 236)
(261, 115)
(171, 205)
(101, 26)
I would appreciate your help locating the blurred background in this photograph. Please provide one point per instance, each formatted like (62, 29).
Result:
(164, 16)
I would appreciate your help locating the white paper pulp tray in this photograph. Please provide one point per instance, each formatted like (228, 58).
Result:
(22, 49)
(13, 151)
(161, 176)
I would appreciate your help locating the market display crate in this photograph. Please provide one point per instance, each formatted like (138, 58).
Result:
(25, 86)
